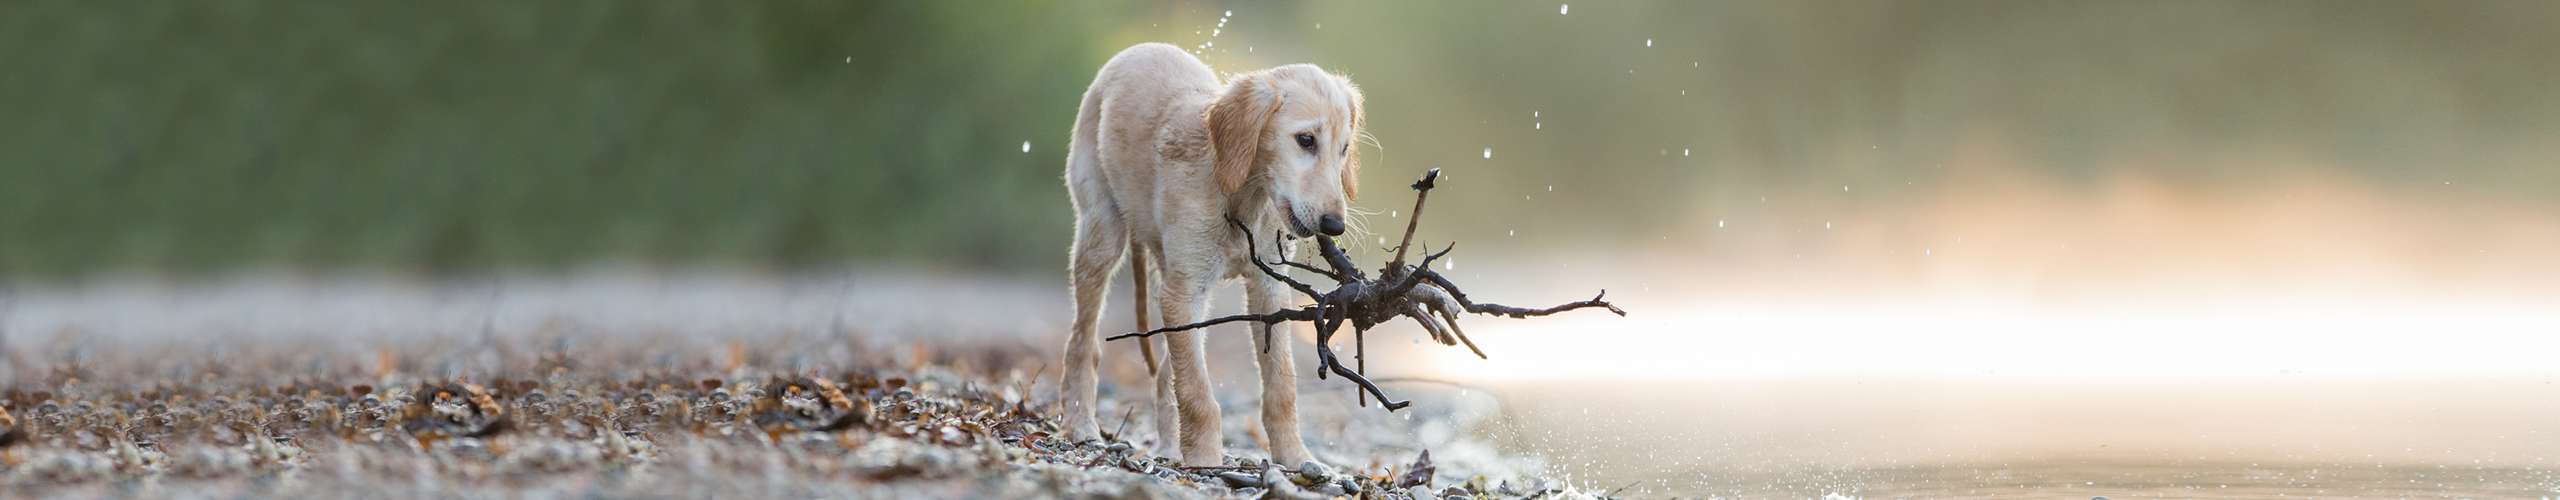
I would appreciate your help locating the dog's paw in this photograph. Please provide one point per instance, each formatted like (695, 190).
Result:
(1080, 428)
(1205, 458)
(1204, 454)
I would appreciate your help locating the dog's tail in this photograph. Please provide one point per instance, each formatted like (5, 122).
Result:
(1138, 276)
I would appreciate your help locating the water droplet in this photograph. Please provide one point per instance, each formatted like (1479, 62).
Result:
(1449, 265)
(1551, 188)
(1026, 146)
(1514, 232)
(1229, 14)
(1684, 151)
(1844, 188)
(1488, 153)
(1648, 42)
(1826, 224)
(1719, 223)
(1537, 125)
(1563, 9)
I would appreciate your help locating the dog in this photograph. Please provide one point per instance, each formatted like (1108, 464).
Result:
(1163, 154)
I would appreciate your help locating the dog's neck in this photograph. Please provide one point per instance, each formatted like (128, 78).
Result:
(1254, 206)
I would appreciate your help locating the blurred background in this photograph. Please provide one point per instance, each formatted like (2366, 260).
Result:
(2263, 212)
(191, 137)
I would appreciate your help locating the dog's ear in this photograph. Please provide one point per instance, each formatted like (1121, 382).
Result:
(1359, 124)
(1236, 124)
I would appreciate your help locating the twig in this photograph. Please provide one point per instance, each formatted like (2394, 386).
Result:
(1124, 424)
(1422, 191)
(1285, 315)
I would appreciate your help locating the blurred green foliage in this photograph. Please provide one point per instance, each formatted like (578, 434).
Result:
(436, 137)
(463, 136)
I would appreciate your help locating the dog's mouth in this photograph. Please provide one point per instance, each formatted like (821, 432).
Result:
(1298, 229)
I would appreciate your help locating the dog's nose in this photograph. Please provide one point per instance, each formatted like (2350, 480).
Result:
(1330, 224)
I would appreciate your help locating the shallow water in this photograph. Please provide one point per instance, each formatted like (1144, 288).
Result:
(2003, 438)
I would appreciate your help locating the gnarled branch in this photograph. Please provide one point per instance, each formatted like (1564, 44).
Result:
(1408, 291)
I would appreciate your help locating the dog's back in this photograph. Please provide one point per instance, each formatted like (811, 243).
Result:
(1127, 106)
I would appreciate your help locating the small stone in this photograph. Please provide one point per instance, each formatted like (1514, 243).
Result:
(1420, 492)
(1330, 490)
(1120, 447)
(1240, 480)
(1314, 469)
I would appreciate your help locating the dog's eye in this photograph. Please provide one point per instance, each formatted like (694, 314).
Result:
(1307, 141)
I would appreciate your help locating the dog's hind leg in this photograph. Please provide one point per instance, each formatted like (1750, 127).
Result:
(1099, 241)
(1163, 408)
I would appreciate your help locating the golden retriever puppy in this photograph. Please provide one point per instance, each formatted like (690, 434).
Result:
(1163, 153)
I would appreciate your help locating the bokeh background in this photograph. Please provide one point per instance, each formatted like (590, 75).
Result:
(185, 138)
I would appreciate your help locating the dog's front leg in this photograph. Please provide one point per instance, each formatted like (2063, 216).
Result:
(1185, 298)
(1279, 372)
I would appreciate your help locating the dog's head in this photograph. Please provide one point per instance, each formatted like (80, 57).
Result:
(1297, 128)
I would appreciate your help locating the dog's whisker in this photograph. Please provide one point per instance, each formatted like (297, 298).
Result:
(1358, 221)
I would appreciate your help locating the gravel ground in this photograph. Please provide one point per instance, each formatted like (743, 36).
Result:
(571, 390)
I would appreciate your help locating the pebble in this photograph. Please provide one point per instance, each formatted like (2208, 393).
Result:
(1119, 447)
(1240, 480)
(1315, 470)
(1420, 492)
